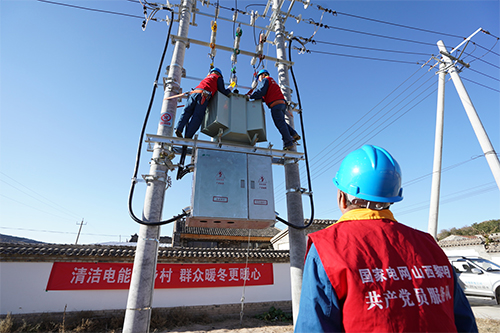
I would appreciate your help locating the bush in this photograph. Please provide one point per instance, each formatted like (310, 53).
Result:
(275, 315)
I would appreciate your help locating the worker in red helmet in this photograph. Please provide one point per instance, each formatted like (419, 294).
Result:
(269, 91)
(197, 102)
(370, 273)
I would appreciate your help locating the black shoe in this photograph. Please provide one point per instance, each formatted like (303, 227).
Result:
(178, 133)
(296, 138)
(290, 147)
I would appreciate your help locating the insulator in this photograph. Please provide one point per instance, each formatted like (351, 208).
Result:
(235, 16)
(213, 35)
(252, 18)
(253, 61)
(239, 32)
(307, 3)
(299, 18)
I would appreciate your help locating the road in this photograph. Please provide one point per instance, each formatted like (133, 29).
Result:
(484, 307)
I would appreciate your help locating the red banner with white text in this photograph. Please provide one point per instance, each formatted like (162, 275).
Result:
(103, 276)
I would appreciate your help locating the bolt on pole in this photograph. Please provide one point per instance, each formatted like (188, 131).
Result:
(295, 212)
(140, 298)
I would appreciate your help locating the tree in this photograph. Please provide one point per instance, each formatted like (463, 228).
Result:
(484, 229)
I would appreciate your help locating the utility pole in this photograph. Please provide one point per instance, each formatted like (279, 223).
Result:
(140, 298)
(438, 155)
(484, 141)
(295, 212)
(79, 230)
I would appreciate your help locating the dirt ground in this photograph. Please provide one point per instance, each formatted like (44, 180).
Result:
(249, 325)
(253, 325)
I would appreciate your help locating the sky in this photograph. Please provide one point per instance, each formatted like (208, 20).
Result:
(76, 83)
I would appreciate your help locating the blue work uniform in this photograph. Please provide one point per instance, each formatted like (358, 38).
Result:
(268, 90)
(197, 103)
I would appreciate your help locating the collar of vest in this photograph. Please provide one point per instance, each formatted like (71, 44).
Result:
(367, 214)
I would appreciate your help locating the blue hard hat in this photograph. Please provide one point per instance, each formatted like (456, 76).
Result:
(370, 173)
(262, 71)
(217, 70)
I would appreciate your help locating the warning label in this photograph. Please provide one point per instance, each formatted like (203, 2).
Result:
(219, 178)
(166, 119)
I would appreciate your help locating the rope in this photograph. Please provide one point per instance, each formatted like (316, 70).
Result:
(245, 280)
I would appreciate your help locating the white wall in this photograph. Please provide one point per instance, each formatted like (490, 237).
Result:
(22, 290)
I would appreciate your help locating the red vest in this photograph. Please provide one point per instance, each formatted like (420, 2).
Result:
(388, 277)
(273, 92)
(209, 83)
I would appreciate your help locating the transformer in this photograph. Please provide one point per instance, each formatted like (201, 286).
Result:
(235, 119)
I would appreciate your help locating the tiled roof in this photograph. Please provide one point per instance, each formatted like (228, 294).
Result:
(325, 222)
(65, 252)
(493, 248)
(461, 241)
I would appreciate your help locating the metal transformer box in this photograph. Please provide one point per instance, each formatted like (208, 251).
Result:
(232, 190)
(241, 120)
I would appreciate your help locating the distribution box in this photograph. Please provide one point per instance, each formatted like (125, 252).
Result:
(232, 190)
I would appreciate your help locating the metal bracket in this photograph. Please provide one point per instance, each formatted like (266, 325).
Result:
(298, 190)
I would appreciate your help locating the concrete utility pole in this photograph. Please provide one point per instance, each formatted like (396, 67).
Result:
(140, 298)
(484, 141)
(79, 230)
(438, 155)
(295, 212)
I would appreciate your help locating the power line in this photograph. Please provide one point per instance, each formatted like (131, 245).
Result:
(311, 21)
(482, 85)
(66, 211)
(367, 48)
(359, 57)
(491, 77)
(455, 196)
(90, 9)
(22, 203)
(58, 232)
(399, 25)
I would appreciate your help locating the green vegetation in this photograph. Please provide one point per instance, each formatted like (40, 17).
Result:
(275, 315)
(484, 229)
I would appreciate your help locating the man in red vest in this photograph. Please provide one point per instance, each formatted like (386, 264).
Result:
(370, 273)
(269, 91)
(197, 102)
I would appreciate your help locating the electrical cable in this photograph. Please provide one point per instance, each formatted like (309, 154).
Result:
(479, 84)
(59, 207)
(338, 156)
(399, 25)
(491, 77)
(309, 183)
(91, 9)
(365, 118)
(367, 137)
(366, 48)
(361, 57)
(139, 148)
(24, 204)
